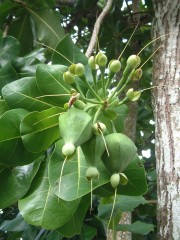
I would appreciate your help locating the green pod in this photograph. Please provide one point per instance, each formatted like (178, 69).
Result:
(92, 173)
(101, 59)
(77, 69)
(75, 128)
(137, 74)
(115, 180)
(68, 77)
(92, 63)
(99, 128)
(133, 61)
(93, 150)
(121, 152)
(133, 95)
(114, 66)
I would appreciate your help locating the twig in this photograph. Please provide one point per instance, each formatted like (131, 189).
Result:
(152, 201)
(97, 27)
(6, 30)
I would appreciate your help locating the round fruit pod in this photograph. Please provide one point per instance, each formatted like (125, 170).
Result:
(122, 152)
(133, 61)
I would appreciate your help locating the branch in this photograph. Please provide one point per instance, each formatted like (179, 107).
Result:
(97, 27)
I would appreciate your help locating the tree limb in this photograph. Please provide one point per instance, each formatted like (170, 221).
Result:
(97, 27)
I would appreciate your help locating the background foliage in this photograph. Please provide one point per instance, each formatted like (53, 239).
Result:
(28, 27)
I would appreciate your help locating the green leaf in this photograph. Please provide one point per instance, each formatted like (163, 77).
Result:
(12, 150)
(124, 203)
(136, 227)
(40, 207)
(50, 82)
(15, 225)
(48, 28)
(9, 49)
(73, 227)
(88, 232)
(26, 66)
(109, 114)
(67, 53)
(54, 235)
(137, 184)
(15, 182)
(73, 183)
(23, 93)
(122, 113)
(40, 129)
(3, 107)
(14, 235)
(21, 30)
(152, 175)
(7, 74)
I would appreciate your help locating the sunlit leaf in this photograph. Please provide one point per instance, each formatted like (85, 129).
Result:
(40, 207)
(73, 183)
(40, 129)
(24, 93)
(137, 184)
(122, 113)
(50, 82)
(74, 226)
(12, 150)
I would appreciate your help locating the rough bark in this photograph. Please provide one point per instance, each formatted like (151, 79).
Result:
(167, 117)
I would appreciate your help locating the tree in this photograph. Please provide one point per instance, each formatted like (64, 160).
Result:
(167, 112)
(37, 70)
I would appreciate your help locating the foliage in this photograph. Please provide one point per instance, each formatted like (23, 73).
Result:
(42, 180)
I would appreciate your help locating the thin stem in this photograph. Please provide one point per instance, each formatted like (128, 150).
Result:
(95, 80)
(103, 82)
(92, 101)
(60, 178)
(125, 85)
(91, 196)
(108, 82)
(79, 89)
(120, 83)
(89, 107)
(123, 101)
(97, 114)
(47, 118)
(83, 78)
(152, 42)
(151, 55)
(114, 203)
(54, 95)
(114, 232)
(54, 51)
(152, 88)
(128, 42)
(104, 142)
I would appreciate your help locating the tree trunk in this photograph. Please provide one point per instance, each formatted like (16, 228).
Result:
(166, 72)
